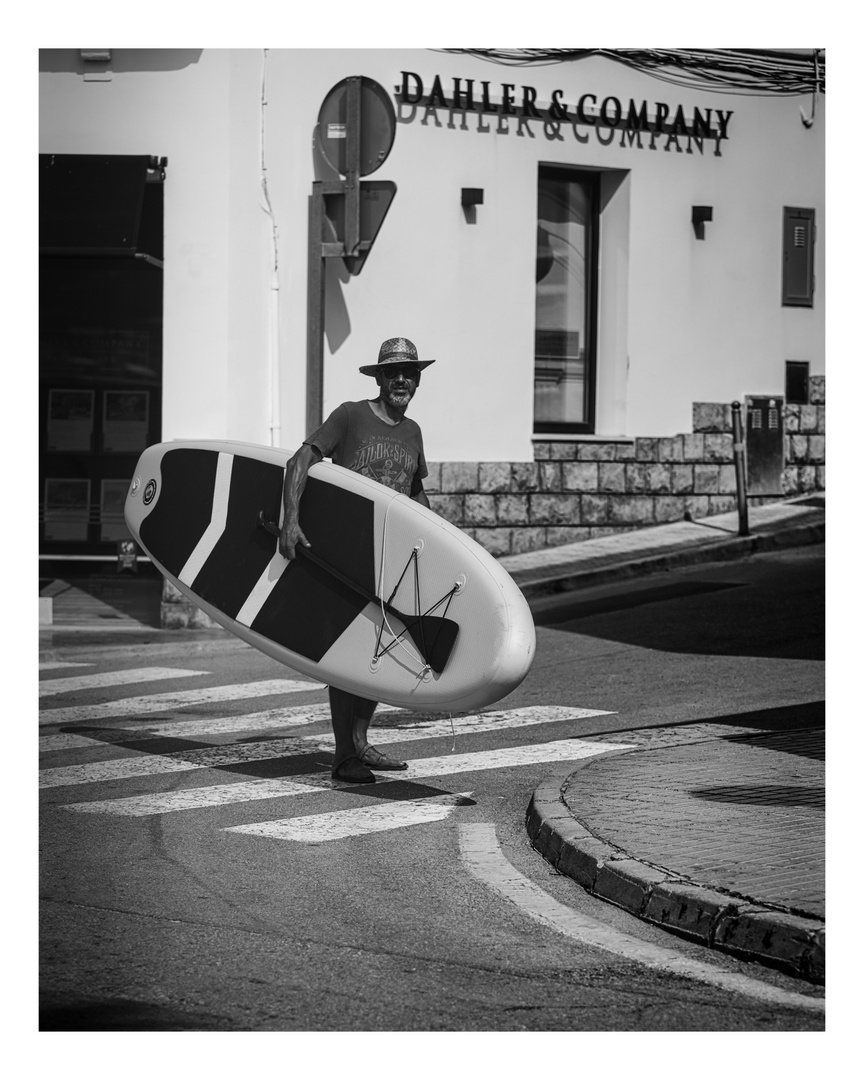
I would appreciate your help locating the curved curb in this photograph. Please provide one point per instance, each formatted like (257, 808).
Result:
(788, 942)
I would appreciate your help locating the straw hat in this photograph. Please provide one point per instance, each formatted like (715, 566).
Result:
(396, 350)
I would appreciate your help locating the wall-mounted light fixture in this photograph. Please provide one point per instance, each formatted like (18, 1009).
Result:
(472, 197)
(699, 215)
(96, 65)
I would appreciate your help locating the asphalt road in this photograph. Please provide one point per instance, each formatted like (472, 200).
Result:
(208, 918)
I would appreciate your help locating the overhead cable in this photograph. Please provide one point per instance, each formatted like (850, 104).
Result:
(731, 71)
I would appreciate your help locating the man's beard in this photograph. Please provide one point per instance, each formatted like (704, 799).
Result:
(399, 398)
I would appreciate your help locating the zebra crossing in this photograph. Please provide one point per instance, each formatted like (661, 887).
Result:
(260, 736)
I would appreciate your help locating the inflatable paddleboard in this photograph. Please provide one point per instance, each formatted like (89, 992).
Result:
(391, 602)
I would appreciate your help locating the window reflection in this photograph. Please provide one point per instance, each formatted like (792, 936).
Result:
(562, 349)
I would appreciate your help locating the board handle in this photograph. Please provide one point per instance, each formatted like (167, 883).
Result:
(269, 526)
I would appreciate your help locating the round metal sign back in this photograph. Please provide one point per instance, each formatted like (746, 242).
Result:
(377, 126)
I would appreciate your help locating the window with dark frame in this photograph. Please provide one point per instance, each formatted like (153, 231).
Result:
(797, 382)
(566, 300)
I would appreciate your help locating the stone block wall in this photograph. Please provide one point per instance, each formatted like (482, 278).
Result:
(579, 490)
(804, 429)
(179, 613)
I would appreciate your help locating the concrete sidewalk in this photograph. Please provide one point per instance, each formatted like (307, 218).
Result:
(712, 831)
(663, 547)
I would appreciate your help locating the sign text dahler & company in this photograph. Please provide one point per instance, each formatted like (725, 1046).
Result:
(610, 118)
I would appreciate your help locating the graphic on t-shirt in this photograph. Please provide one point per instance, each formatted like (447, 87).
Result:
(385, 460)
(357, 439)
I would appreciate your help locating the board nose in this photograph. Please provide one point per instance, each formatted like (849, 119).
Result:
(143, 490)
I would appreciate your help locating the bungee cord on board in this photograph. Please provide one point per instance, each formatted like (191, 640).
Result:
(398, 639)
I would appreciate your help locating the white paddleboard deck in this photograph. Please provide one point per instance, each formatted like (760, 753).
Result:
(194, 506)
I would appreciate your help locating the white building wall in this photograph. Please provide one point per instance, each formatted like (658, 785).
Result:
(681, 320)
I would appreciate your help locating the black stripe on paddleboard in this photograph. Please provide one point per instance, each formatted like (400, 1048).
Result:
(309, 609)
(340, 526)
(183, 508)
(241, 554)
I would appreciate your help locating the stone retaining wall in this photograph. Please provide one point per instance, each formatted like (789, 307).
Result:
(578, 490)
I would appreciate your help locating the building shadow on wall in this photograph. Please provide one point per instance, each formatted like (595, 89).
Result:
(121, 60)
(337, 322)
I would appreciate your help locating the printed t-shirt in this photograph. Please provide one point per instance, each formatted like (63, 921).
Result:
(354, 437)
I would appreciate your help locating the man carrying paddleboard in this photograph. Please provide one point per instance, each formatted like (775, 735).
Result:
(376, 439)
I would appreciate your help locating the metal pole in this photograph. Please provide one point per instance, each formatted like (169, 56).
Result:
(740, 468)
(352, 166)
(315, 312)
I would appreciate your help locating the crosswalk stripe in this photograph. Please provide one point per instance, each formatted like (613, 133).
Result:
(214, 757)
(198, 798)
(507, 757)
(321, 828)
(211, 757)
(426, 727)
(55, 665)
(267, 719)
(67, 741)
(156, 703)
(71, 683)
(474, 724)
(423, 768)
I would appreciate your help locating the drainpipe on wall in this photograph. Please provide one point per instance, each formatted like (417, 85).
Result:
(275, 418)
(273, 307)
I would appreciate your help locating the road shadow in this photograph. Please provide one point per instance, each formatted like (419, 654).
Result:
(778, 616)
(119, 1014)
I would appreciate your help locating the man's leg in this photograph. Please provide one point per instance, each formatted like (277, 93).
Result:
(368, 754)
(351, 716)
(347, 765)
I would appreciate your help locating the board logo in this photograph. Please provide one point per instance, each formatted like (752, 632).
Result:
(149, 492)
(136, 483)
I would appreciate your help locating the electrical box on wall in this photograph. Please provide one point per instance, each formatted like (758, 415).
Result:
(764, 442)
(799, 234)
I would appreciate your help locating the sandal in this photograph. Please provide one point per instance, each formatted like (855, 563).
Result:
(352, 771)
(376, 760)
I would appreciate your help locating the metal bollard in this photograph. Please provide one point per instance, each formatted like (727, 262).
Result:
(740, 468)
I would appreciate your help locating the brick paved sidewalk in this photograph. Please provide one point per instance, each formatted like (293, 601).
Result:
(743, 814)
(713, 831)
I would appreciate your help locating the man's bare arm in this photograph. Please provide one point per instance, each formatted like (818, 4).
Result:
(296, 473)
